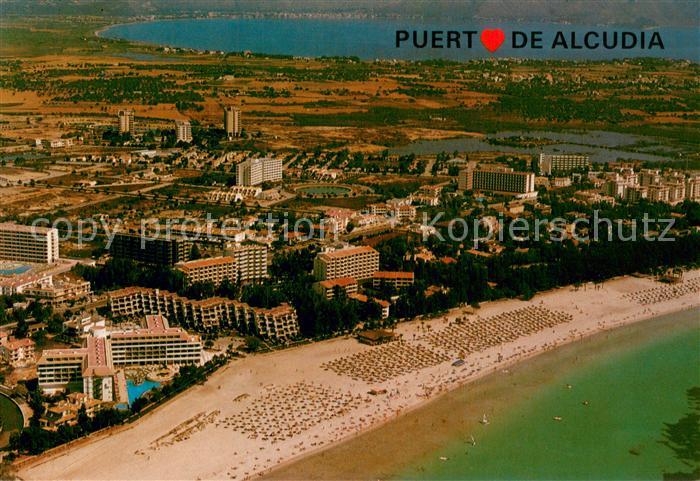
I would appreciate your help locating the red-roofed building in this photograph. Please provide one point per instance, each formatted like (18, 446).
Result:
(327, 288)
(279, 323)
(382, 303)
(17, 352)
(396, 279)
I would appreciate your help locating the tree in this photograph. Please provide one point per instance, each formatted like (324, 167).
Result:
(138, 404)
(39, 337)
(84, 420)
(252, 343)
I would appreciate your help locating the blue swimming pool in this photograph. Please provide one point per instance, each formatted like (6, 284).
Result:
(13, 270)
(137, 390)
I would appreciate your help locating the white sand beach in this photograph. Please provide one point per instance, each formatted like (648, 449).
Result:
(266, 410)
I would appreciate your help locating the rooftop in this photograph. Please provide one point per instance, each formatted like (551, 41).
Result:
(393, 275)
(351, 251)
(10, 227)
(342, 282)
(199, 263)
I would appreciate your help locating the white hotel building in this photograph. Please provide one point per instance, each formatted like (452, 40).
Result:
(91, 369)
(25, 243)
(256, 171)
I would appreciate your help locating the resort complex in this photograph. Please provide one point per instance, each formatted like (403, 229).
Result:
(92, 369)
(337, 240)
(279, 323)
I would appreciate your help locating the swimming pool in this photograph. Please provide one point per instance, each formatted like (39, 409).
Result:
(137, 390)
(11, 269)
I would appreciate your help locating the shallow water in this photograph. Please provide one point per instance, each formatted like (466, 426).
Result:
(632, 386)
(634, 378)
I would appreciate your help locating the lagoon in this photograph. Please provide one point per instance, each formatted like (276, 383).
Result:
(601, 146)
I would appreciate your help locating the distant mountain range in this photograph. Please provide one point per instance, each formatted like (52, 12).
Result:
(638, 13)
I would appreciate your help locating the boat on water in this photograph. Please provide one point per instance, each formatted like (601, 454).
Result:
(473, 441)
(484, 419)
(443, 458)
(557, 418)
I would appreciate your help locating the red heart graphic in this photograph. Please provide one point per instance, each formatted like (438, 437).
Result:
(492, 39)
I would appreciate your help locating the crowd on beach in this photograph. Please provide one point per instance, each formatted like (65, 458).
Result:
(664, 292)
(467, 335)
(282, 412)
(381, 363)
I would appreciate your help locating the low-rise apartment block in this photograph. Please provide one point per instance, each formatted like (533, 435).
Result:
(62, 288)
(278, 324)
(328, 288)
(17, 352)
(398, 280)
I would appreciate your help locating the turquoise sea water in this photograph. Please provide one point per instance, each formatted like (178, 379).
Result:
(137, 390)
(370, 39)
(635, 383)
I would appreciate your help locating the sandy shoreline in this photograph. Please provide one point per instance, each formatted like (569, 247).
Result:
(266, 411)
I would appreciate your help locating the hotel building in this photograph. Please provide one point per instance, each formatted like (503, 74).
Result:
(183, 131)
(256, 171)
(160, 251)
(91, 369)
(232, 121)
(126, 121)
(278, 324)
(692, 188)
(62, 369)
(250, 260)
(501, 180)
(25, 243)
(398, 280)
(157, 343)
(357, 262)
(213, 269)
(562, 163)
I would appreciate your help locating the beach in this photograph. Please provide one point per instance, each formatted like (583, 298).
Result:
(267, 411)
(611, 392)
